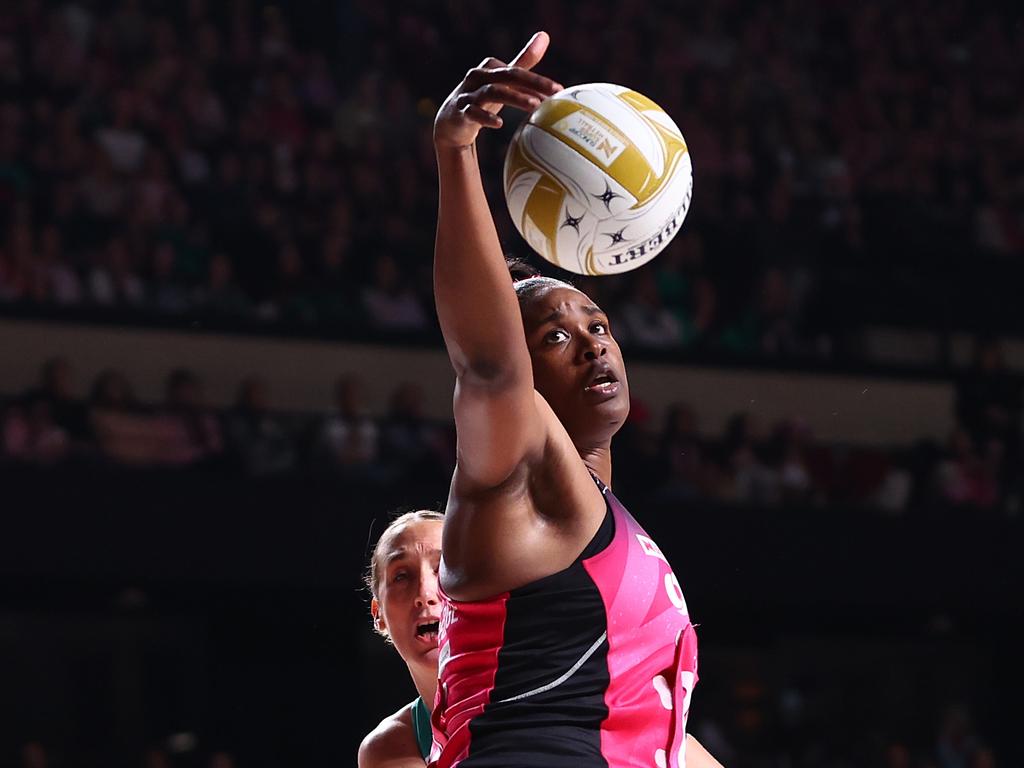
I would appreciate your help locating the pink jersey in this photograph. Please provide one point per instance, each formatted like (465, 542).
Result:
(591, 666)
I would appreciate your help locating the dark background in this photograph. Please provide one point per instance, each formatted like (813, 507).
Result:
(239, 619)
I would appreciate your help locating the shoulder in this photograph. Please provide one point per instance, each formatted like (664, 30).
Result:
(392, 744)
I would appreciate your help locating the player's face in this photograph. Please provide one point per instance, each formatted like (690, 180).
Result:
(407, 606)
(577, 364)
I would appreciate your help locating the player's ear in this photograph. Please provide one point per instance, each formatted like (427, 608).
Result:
(378, 617)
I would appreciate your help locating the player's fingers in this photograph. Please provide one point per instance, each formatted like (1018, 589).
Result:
(517, 77)
(493, 97)
(533, 51)
(478, 114)
(491, 63)
(504, 95)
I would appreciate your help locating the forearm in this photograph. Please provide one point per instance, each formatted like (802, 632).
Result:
(476, 304)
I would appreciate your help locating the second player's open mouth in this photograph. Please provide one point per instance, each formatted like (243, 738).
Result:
(427, 632)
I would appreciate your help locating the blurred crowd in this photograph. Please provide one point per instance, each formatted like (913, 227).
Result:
(49, 425)
(979, 466)
(677, 460)
(271, 164)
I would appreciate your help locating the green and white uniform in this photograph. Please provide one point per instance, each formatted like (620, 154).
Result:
(421, 726)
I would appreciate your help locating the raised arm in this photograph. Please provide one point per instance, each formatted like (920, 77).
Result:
(496, 417)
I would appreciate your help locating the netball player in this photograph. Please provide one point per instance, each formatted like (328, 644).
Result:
(564, 637)
(402, 580)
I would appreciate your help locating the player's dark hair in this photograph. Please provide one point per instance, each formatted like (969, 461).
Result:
(527, 281)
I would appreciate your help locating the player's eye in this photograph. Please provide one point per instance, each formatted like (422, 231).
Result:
(557, 336)
(599, 328)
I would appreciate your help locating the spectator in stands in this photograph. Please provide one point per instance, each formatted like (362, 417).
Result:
(168, 293)
(112, 281)
(111, 391)
(748, 478)
(988, 398)
(30, 433)
(862, 474)
(220, 295)
(63, 285)
(769, 327)
(700, 320)
(640, 464)
(336, 286)
(102, 194)
(966, 478)
(689, 295)
(10, 276)
(682, 451)
(409, 442)
(56, 385)
(998, 225)
(292, 295)
(790, 443)
(258, 439)
(194, 430)
(388, 300)
(16, 268)
(896, 490)
(123, 143)
(348, 438)
(644, 319)
(124, 433)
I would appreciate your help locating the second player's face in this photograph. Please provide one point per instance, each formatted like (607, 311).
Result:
(577, 364)
(408, 607)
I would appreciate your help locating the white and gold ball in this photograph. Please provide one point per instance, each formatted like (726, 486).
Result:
(598, 179)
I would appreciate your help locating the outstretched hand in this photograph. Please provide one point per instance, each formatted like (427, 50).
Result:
(477, 100)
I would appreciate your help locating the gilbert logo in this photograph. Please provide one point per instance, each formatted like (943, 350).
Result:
(593, 135)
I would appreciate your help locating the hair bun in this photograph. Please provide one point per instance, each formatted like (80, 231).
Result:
(520, 269)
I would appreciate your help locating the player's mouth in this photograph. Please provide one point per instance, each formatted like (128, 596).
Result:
(426, 631)
(603, 382)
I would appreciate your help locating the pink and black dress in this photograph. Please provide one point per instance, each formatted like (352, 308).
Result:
(591, 666)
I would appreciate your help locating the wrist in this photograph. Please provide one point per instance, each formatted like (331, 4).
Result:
(454, 153)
